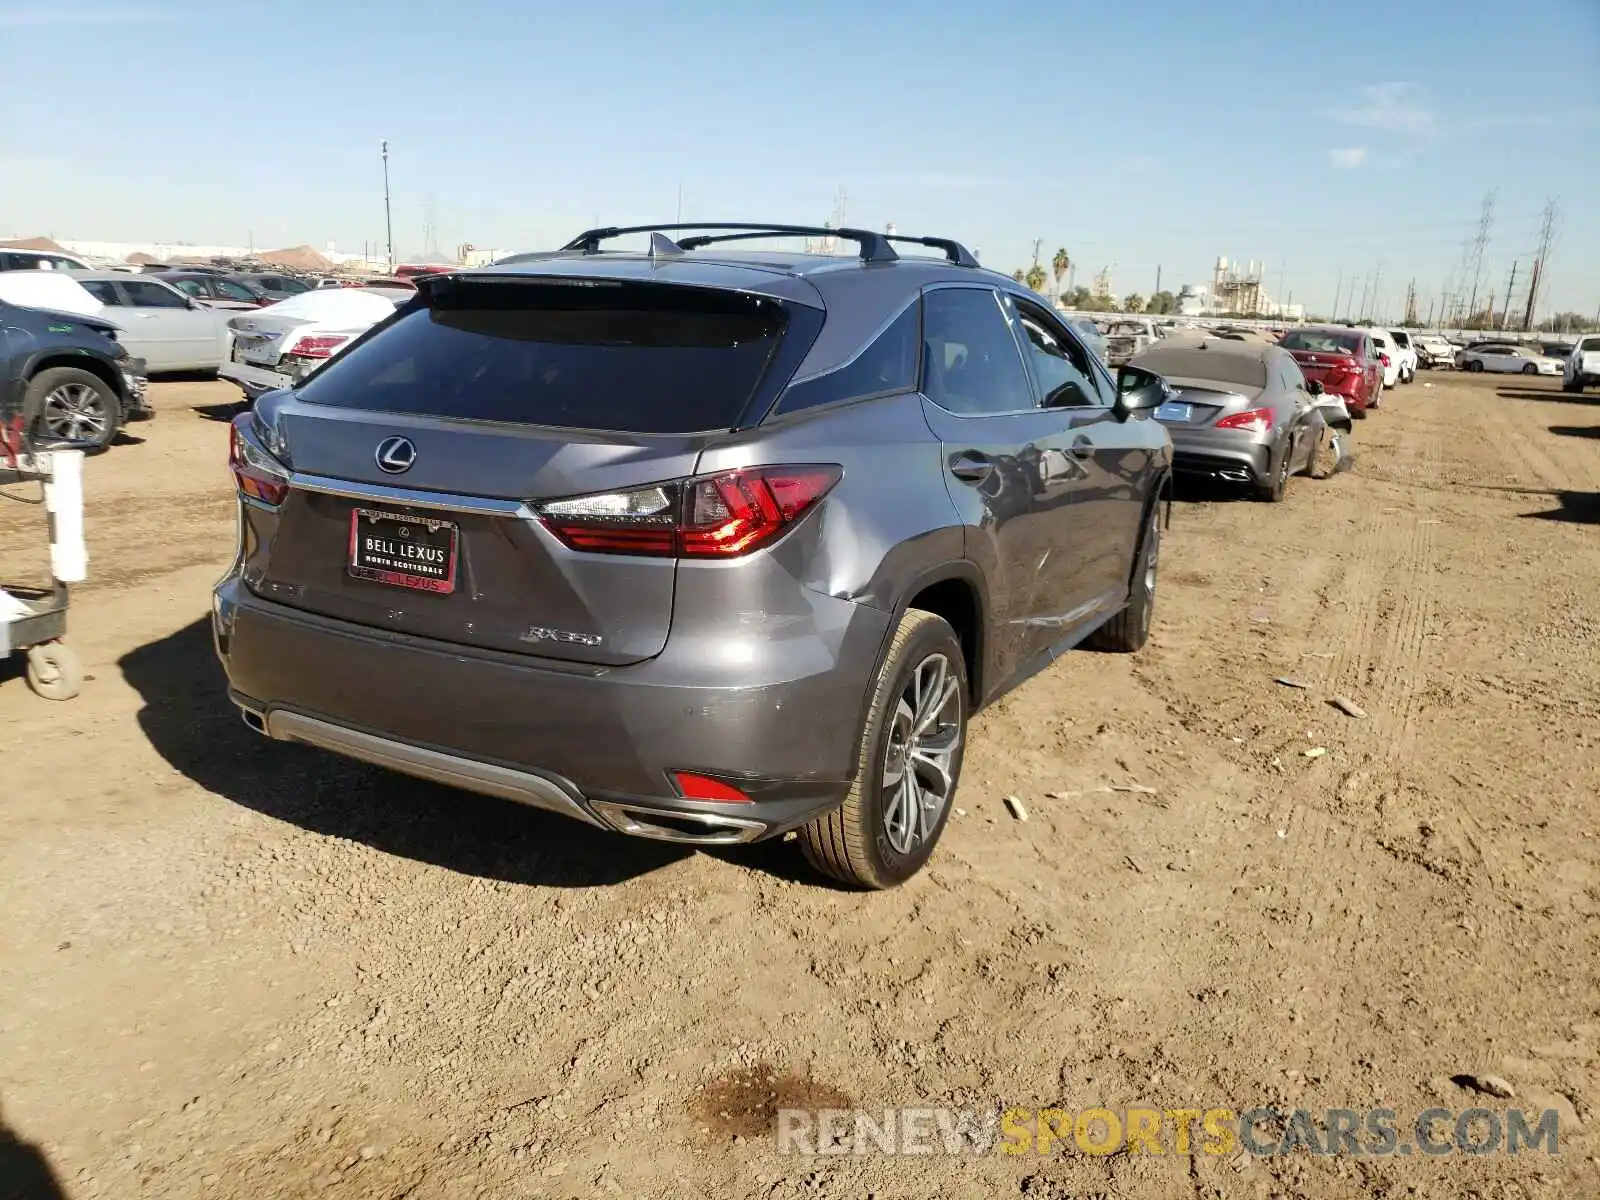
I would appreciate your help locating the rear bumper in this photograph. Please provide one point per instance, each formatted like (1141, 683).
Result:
(1354, 399)
(1221, 455)
(253, 381)
(595, 744)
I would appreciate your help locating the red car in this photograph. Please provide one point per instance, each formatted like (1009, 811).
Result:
(1344, 361)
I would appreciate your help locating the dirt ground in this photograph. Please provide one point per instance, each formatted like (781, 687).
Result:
(232, 968)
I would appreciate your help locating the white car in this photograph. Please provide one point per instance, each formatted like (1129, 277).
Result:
(1507, 359)
(1407, 352)
(170, 331)
(35, 260)
(1434, 351)
(1389, 354)
(278, 346)
(1582, 368)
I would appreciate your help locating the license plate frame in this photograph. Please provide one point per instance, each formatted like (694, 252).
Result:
(382, 564)
(1175, 412)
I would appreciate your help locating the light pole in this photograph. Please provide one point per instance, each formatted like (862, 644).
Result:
(388, 223)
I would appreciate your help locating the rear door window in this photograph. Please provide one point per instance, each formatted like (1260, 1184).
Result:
(971, 364)
(621, 357)
(145, 294)
(102, 290)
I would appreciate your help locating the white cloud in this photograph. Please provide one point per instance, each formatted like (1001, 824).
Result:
(1398, 108)
(1348, 159)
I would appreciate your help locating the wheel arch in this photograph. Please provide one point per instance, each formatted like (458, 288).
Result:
(107, 373)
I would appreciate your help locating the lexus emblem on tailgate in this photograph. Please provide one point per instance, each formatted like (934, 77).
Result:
(395, 454)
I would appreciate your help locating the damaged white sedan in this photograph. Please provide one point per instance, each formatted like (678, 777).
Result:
(278, 346)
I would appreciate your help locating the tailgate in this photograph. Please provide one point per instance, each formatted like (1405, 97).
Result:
(420, 452)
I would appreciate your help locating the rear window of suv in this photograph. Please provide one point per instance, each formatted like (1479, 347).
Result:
(620, 357)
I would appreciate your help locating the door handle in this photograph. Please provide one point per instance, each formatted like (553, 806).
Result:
(1082, 446)
(971, 467)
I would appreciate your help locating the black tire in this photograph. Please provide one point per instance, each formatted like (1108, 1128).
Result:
(855, 843)
(1129, 630)
(68, 404)
(1474, 365)
(1274, 489)
(1530, 369)
(1571, 385)
(1358, 414)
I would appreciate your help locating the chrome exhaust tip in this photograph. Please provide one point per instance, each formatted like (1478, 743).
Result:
(671, 825)
(254, 720)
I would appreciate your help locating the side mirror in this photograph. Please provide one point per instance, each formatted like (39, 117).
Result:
(1139, 390)
(1314, 387)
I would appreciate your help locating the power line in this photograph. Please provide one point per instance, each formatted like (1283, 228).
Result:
(1479, 244)
(1547, 233)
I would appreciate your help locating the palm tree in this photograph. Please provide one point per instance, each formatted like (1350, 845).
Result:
(1059, 266)
(1133, 303)
(1019, 275)
(1035, 278)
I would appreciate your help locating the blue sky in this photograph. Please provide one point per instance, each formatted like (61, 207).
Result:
(1325, 139)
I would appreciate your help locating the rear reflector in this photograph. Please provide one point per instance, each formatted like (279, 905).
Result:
(1255, 420)
(701, 787)
(719, 516)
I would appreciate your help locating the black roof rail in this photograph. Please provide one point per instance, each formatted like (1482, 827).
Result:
(953, 250)
(875, 247)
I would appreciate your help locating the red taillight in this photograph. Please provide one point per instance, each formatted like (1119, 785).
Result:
(721, 516)
(316, 347)
(702, 787)
(256, 474)
(1255, 420)
(1385, 359)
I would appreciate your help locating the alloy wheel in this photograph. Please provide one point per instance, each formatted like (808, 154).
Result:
(75, 412)
(924, 738)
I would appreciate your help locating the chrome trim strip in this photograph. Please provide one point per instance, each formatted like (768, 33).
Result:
(380, 494)
(523, 787)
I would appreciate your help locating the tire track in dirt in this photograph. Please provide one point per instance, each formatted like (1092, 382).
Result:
(1379, 659)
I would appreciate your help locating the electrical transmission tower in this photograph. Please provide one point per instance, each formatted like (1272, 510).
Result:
(1547, 233)
(1480, 243)
(430, 231)
(1411, 304)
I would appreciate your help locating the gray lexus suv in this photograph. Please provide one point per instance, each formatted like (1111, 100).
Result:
(696, 541)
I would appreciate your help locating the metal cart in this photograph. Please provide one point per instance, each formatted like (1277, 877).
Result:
(33, 619)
